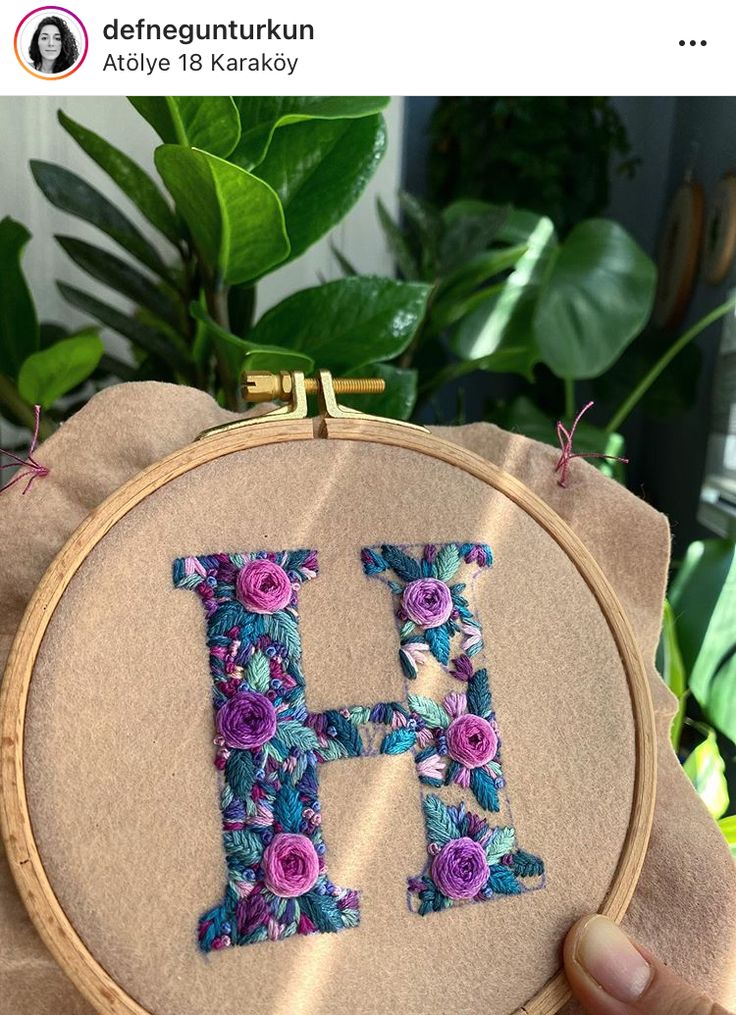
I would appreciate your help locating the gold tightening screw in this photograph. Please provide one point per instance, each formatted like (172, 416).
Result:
(262, 386)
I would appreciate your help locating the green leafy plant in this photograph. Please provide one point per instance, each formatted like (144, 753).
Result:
(246, 185)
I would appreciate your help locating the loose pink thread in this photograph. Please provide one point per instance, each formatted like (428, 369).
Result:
(566, 438)
(33, 469)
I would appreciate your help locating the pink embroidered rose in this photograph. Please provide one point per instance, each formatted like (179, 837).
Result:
(427, 601)
(290, 864)
(263, 587)
(460, 869)
(247, 720)
(471, 740)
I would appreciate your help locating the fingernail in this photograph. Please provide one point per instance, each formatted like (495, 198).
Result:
(607, 955)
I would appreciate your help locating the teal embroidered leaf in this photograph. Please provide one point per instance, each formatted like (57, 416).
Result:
(429, 710)
(441, 826)
(276, 749)
(398, 741)
(439, 643)
(258, 673)
(404, 566)
(283, 628)
(479, 695)
(502, 881)
(240, 772)
(332, 750)
(447, 562)
(406, 629)
(322, 910)
(500, 843)
(432, 900)
(485, 792)
(346, 733)
(288, 809)
(526, 865)
(243, 846)
(296, 734)
(227, 616)
(408, 666)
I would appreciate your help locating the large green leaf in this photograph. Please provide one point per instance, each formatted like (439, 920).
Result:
(140, 334)
(673, 670)
(122, 277)
(19, 335)
(209, 122)
(703, 596)
(319, 169)
(728, 827)
(236, 219)
(134, 182)
(469, 230)
(504, 326)
(72, 194)
(396, 402)
(47, 375)
(596, 298)
(346, 323)
(261, 115)
(705, 768)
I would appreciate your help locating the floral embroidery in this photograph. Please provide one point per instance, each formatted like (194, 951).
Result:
(267, 746)
(456, 741)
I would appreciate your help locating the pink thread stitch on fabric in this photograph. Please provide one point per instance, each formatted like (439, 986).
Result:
(34, 470)
(566, 438)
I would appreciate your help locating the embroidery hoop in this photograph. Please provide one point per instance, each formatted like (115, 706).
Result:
(287, 424)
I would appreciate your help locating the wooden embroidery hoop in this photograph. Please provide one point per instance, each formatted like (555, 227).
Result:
(286, 424)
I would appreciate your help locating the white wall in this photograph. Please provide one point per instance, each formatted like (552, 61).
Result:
(30, 126)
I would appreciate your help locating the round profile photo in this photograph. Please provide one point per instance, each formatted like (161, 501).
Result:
(51, 43)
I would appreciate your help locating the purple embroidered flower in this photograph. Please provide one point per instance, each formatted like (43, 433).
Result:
(471, 740)
(291, 865)
(460, 869)
(263, 587)
(247, 720)
(427, 601)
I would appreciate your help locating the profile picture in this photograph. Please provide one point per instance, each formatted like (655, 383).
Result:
(51, 42)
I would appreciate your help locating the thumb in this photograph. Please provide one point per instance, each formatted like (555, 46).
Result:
(610, 975)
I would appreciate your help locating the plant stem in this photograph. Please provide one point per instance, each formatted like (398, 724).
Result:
(631, 401)
(569, 398)
(20, 410)
(216, 298)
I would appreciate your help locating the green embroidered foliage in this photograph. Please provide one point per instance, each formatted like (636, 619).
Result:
(502, 881)
(333, 750)
(446, 562)
(288, 809)
(346, 733)
(406, 629)
(526, 865)
(228, 615)
(438, 640)
(479, 695)
(243, 846)
(283, 628)
(404, 566)
(408, 666)
(485, 792)
(500, 843)
(429, 710)
(240, 773)
(296, 734)
(258, 673)
(322, 910)
(398, 741)
(432, 900)
(441, 826)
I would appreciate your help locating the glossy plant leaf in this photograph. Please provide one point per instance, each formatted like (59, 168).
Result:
(209, 122)
(319, 169)
(673, 671)
(244, 354)
(142, 335)
(72, 194)
(596, 298)
(134, 182)
(122, 277)
(506, 323)
(728, 828)
(396, 402)
(19, 333)
(703, 596)
(346, 323)
(470, 229)
(705, 769)
(235, 218)
(261, 116)
(50, 373)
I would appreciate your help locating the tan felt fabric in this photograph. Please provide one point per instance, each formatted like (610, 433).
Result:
(684, 906)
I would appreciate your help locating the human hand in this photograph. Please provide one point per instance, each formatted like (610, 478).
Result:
(611, 975)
